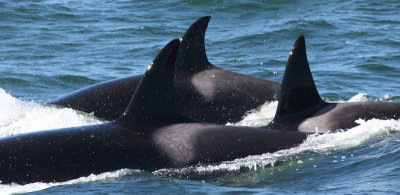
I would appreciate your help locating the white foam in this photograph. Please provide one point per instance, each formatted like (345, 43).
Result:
(32, 187)
(264, 115)
(319, 144)
(18, 116)
(314, 144)
(258, 117)
(361, 97)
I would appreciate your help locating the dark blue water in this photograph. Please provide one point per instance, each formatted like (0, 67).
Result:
(51, 47)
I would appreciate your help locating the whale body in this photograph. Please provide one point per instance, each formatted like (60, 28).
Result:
(150, 134)
(203, 91)
(301, 108)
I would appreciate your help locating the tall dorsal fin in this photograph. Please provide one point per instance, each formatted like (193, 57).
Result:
(192, 53)
(153, 100)
(298, 91)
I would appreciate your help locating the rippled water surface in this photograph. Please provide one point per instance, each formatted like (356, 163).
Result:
(49, 48)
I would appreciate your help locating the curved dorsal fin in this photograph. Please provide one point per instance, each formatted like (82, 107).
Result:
(192, 53)
(298, 92)
(153, 100)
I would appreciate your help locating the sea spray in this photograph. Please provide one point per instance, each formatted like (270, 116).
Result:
(258, 117)
(32, 187)
(314, 145)
(18, 116)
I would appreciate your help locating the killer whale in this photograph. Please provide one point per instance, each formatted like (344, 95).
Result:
(150, 134)
(106, 100)
(204, 92)
(301, 108)
(216, 94)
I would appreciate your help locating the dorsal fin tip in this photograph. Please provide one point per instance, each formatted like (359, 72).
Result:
(192, 54)
(165, 56)
(300, 43)
(298, 92)
(199, 26)
(301, 39)
(153, 100)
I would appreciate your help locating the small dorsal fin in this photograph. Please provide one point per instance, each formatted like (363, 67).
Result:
(192, 53)
(298, 91)
(153, 100)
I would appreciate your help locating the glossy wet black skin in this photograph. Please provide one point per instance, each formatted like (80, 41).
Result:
(203, 92)
(107, 100)
(149, 135)
(300, 108)
(60, 155)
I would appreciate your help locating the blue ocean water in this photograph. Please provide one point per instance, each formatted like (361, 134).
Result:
(49, 48)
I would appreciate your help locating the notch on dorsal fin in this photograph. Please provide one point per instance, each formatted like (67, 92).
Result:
(298, 91)
(153, 100)
(191, 53)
